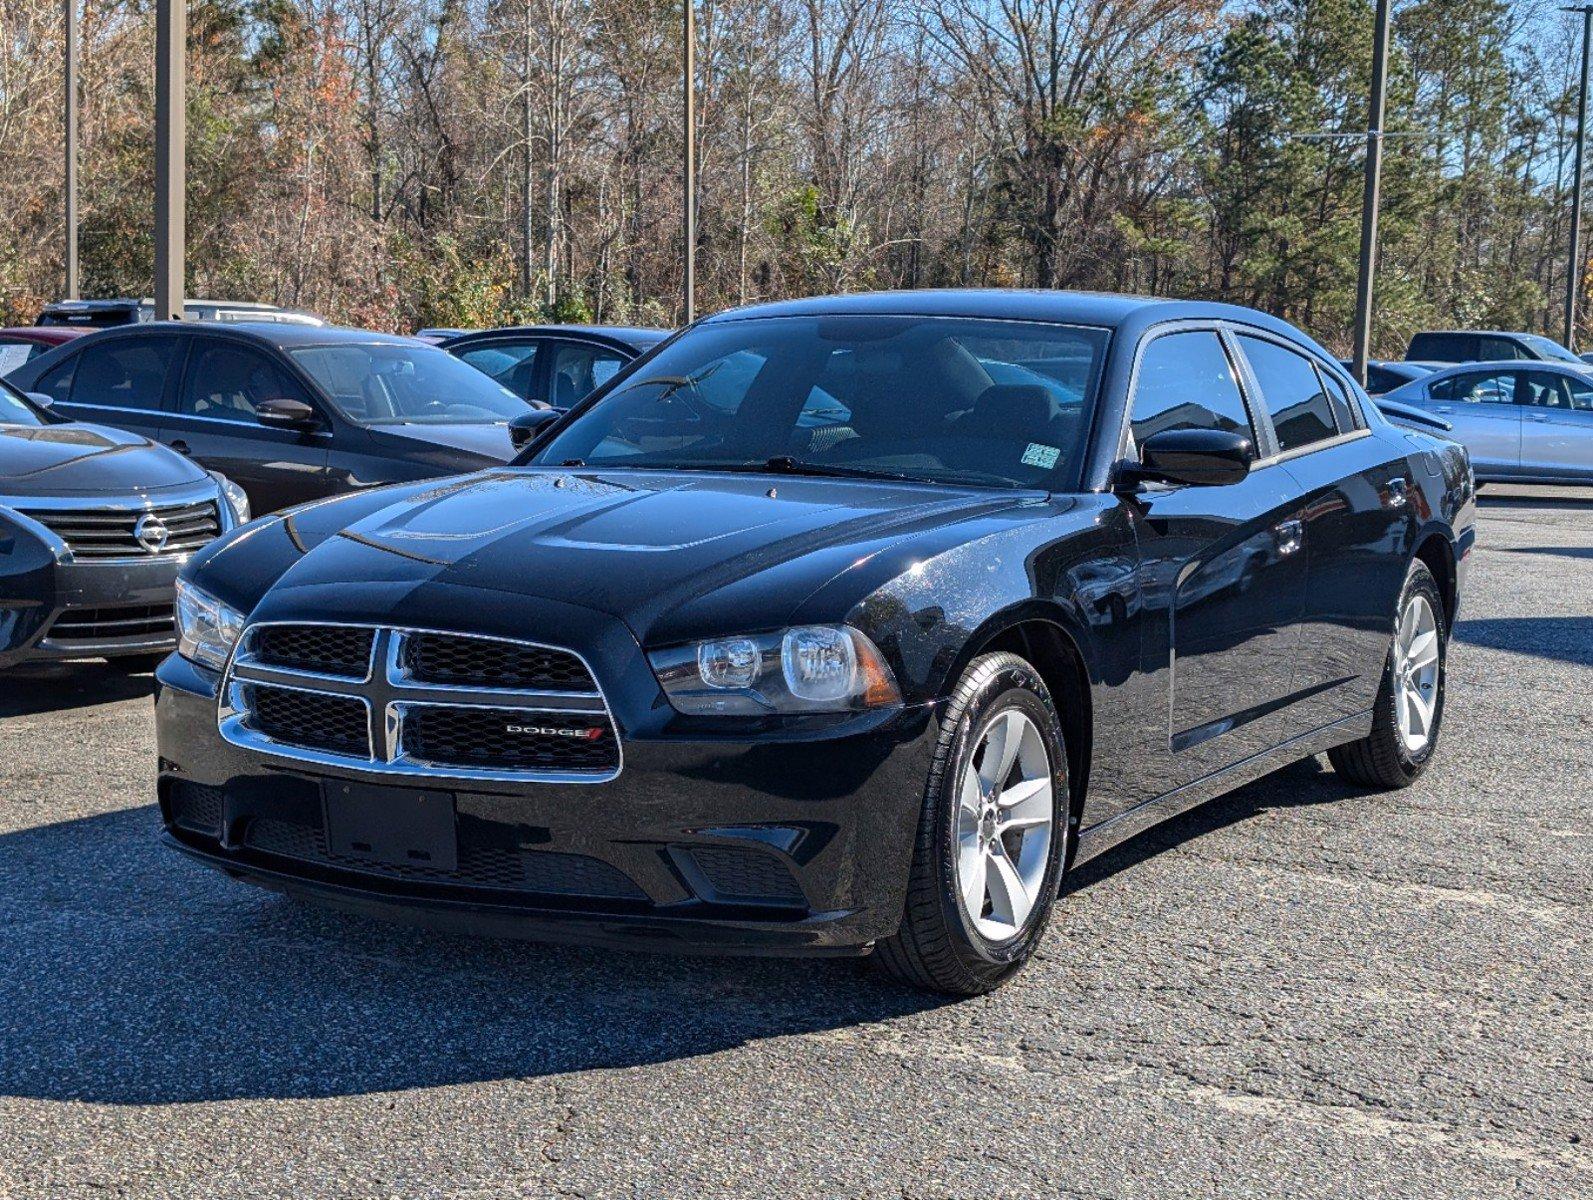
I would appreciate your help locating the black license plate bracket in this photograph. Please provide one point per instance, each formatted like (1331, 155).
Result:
(395, 827)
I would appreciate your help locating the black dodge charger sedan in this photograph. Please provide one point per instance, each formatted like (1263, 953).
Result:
(94, 525)
(290, 412)
(831, 626)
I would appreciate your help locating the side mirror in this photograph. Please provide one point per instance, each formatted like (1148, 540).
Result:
(523, 429)
(1198, 457)
(42, 399)
(286, 414)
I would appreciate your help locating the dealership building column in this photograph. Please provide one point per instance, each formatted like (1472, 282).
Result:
(171, 133)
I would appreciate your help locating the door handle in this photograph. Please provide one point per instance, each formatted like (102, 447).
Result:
(1398, 490)
(1444, 408)
(180, 446)
(1538, 420)
(1289, 534)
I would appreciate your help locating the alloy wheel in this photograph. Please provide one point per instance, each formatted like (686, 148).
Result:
(1005, 818)
(1416, 667)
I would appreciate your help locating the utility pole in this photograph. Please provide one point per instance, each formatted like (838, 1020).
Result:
(1371, 196)
(690, 198)
(171, 136)
(1573, 269)
(69, 136)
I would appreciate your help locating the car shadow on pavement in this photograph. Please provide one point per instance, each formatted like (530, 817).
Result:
(1309, 781)
(1565, 639)
(131, 976)
(1555, 551)
(45, 688)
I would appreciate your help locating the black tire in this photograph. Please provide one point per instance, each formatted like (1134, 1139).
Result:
(936, 946)
(1380, 760)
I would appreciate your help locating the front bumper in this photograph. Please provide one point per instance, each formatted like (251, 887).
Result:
(793, 843)
(71, 610)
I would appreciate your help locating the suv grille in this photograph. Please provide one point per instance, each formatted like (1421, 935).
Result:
(110, 533)
(435, 704)
(482, 662)
(335, 723)
(323, 649)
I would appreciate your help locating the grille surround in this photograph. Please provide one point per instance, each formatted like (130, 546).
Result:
(94, 533)
(398, 704)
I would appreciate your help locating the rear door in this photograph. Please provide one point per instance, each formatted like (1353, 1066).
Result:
(1481, 405)
(215, 423)
(1556, 426)
(1355, 491)
(1223, 570)
(120, 381)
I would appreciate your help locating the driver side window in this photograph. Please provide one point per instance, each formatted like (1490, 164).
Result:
(227, 383)
(1185, 381)
(1477, 387)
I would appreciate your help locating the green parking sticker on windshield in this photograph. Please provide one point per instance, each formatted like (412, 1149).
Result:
(1040, 456)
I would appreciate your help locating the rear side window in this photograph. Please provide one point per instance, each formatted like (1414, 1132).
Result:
(125, 373)
(1186, 382)
(1296, 399)
(1476, 387)
(1345, 410)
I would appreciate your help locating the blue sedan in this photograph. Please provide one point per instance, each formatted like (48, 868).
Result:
(1524, 422)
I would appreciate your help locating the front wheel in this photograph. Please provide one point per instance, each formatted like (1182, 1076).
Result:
(987, 863)
(1410, 701)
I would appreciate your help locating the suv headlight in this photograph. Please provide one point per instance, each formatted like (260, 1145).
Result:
(811, 668)
(234, 498)
(207, 629)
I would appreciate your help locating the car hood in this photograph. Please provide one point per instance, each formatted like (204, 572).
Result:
(668, 553)
(489, 443)
(72, 458)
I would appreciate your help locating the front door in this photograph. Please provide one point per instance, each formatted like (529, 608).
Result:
(215, 423)
(1223, 573)
(1556, 426)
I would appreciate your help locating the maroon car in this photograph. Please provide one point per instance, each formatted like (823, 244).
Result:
(19, 343)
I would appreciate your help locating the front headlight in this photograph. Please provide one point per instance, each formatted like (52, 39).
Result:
(207, 629)
(235, 499)
(812, 668)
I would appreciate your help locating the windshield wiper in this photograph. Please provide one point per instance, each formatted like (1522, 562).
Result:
(785, 464)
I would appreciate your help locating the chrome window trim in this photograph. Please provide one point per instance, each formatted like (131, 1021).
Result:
(385, 755)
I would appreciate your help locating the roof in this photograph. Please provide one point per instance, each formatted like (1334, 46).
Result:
(272, 333)
(1514, 364)
(1102, 309)
(636, 336)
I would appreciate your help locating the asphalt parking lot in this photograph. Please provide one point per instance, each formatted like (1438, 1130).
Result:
(1298, 990)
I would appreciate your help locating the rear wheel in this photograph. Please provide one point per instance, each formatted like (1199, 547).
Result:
(988, 860)
(1410, 701)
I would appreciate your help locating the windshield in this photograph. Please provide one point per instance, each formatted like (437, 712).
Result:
(1549, 349)
(14, 410)
(389, 384)
(940, 399)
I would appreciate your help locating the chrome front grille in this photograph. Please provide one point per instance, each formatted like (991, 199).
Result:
(419, 702)
(163, 532)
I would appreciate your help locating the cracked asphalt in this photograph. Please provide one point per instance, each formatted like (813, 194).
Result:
(1298, 990)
